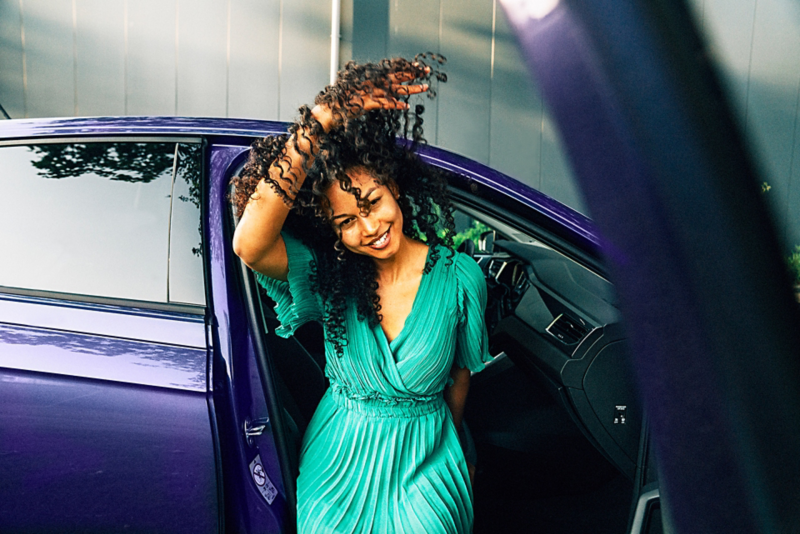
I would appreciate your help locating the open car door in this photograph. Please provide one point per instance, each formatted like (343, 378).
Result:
(691, 251)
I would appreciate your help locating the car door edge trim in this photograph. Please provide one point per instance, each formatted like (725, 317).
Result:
(185, 331)
(113, 138)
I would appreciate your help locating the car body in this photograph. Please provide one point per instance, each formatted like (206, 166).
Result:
(143, 388)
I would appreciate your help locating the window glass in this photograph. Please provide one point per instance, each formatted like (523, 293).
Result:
(471, 224)
(467, 229)
(186, 283)
(88, 219)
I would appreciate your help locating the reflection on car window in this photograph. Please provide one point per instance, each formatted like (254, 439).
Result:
(467, 228)
(186, 283)
(89, 219)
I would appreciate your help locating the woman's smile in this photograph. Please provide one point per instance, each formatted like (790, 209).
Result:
(382, 241)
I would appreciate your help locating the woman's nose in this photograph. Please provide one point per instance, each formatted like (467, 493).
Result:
(369, 225)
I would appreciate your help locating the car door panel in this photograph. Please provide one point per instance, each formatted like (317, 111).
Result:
(103, 342)
(99, 432)
(241, 395)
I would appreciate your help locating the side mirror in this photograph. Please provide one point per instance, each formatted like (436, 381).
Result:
(486, 241)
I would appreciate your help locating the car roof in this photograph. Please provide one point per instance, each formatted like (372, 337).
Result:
(156, 125)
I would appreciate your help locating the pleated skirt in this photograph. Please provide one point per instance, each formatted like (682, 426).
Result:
(373, 467)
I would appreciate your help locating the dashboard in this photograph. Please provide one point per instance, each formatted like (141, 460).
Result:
(559, 323)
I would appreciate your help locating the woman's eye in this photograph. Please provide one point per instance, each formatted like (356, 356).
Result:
(374, 201)
(346, 223)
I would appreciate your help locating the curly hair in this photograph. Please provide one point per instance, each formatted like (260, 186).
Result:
(369, 142)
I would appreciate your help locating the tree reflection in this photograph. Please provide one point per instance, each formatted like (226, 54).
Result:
(125, 162)
(188, 170)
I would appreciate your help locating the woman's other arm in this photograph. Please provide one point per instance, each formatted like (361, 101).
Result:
(456, 395)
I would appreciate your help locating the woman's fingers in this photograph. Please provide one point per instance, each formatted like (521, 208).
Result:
(370, 97)
(401, 76)
(406, 75)
(384, 103)
(409, 89)
(398, 89)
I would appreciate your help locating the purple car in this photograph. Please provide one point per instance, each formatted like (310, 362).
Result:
(142, 386)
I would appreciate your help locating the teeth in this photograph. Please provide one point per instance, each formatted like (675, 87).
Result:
(381, 241)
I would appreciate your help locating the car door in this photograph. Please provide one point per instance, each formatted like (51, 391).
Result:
(555, 422)
(693, 254)
(104, 424)
(258, 461)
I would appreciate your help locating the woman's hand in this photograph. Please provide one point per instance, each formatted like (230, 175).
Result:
(368, 97)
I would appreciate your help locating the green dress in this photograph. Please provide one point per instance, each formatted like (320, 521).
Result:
(381, 453)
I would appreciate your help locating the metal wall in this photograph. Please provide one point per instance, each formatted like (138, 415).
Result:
(756, 44)
(264, 58)
(237, 58)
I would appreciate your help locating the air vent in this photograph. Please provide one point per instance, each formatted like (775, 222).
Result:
(567, 330)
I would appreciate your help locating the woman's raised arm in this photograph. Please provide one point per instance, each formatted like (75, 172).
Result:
(257, 240)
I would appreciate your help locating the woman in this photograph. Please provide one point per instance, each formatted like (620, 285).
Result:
(371, 258)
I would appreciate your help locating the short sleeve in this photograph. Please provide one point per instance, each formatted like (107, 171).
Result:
(295, 301)
(472, 340)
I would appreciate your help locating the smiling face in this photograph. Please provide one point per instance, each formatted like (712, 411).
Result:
(377, 233)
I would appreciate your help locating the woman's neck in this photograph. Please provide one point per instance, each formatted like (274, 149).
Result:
(409, 261)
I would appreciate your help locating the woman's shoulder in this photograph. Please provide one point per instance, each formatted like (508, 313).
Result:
(298, 246)
(469, 272)
(462, 265)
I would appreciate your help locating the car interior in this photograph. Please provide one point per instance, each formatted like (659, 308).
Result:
(554, 417)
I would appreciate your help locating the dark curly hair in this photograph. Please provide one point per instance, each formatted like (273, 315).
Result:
(369, 142)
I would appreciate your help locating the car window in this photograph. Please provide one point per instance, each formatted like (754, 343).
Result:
(468, 229)
(472, 225)
(185, 251)
(93, 218)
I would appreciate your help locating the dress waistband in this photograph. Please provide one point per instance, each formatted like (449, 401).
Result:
(377, 405)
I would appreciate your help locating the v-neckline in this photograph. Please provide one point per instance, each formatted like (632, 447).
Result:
(406, 321)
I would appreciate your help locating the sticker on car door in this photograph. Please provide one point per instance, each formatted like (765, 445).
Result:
(263, 483)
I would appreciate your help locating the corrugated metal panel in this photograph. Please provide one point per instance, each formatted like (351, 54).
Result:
(515, 143)
(150, 57)
(756, 45)
(414, 27)
(772, 105)
(305, 61)
(731, 26)
(12, 97)
(465, 103)
(370, 29)
(50, 57)
(557, 177)
(254, 61)
(100, 57)
(202, 58)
